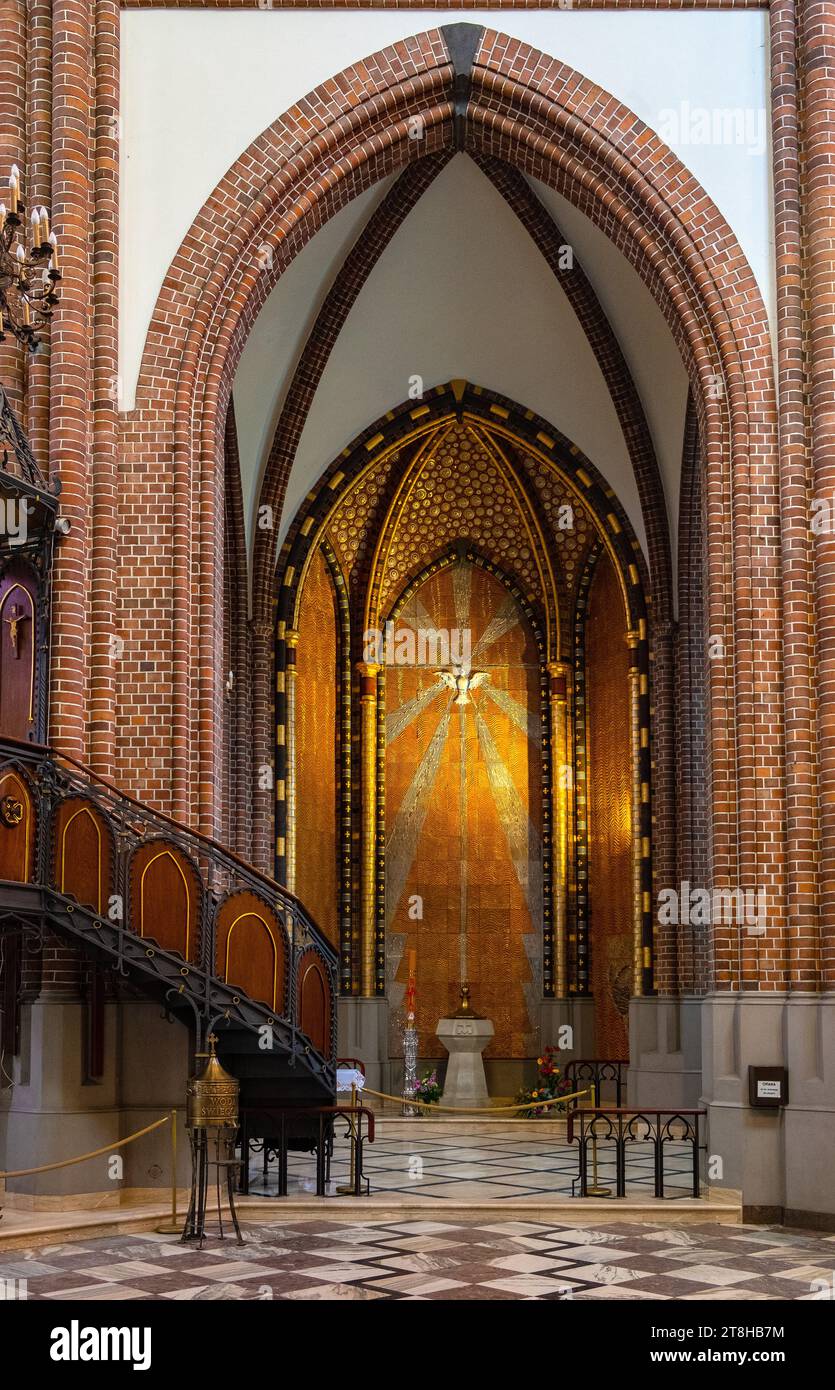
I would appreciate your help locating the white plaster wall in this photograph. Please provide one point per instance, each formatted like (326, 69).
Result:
(199, 86)
(278, 336)
(645, 340)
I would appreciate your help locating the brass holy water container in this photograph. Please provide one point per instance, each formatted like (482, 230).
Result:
(212, 1095)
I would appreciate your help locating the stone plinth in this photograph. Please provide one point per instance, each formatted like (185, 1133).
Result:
(465, 1039)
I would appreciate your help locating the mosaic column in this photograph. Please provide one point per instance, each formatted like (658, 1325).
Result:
(560, 796)
(368, 672)
(291, 641)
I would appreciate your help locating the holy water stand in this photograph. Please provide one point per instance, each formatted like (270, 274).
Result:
(212, 1122)
(465, 1036)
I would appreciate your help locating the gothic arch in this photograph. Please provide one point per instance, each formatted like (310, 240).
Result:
(373, 479)
(540, 115)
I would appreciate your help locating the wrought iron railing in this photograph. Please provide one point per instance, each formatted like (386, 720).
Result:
(16, 457)
(276, 1132)
(596, 1071)
(52, 778)
(624, 1127)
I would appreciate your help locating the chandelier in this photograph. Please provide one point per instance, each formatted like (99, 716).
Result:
(28, 275)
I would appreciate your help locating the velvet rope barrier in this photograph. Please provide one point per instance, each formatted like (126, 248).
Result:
(95, 1153)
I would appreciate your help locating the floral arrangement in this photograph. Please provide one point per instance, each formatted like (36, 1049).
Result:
(428, 1088)
(549, 1086)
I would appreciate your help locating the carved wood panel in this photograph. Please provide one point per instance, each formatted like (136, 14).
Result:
(251, 949)
(165, 898)
(83, 854)
(314, 1002)
(17, 828)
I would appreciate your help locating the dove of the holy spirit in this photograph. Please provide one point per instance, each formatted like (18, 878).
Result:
(462, 682)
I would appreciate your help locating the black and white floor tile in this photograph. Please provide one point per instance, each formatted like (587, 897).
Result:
(435, 1259)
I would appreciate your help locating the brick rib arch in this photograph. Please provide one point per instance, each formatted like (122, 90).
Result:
(549, 121)
(358, 264)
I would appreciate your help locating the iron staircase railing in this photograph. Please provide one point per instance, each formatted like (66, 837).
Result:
(192, 987)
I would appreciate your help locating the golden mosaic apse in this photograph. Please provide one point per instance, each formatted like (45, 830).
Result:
(463, 812)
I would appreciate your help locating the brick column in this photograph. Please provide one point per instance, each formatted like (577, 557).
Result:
(817, 37)
(13, 151)
(70, 436)
(795, 483)
(39, 193)
(103, 669)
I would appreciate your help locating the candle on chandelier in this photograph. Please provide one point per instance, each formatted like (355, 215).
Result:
(35, 219)
(14, 187)
(53, 241)
(26, 316)
(2, 216)
(44, 219)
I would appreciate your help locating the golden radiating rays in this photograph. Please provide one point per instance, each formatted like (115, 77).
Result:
(483, 703)
(527, 720)
(406, 714)
(403, 841)
(506, 619)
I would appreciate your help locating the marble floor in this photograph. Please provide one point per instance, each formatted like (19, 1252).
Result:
(430, 1260)
(471, 1167)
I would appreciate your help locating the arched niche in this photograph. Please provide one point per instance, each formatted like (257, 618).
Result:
(18, 644)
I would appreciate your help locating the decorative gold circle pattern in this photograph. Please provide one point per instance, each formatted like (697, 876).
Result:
(460, 494)
(570, 524)
(352, 530)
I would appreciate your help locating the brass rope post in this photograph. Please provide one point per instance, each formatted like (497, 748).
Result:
(344, 1191)
(172, 1227)
(595, 1190)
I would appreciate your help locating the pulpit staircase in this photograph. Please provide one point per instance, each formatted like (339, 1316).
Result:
(223, 947)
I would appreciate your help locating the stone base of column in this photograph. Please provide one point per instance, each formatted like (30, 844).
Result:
(780, 1160)
(52, 1112)
(362, 1032)
(665, 1059)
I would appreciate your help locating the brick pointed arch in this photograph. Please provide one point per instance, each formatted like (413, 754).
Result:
(540, 115)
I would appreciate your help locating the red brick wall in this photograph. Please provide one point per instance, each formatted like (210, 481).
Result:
(148, 518)
(817, 47)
